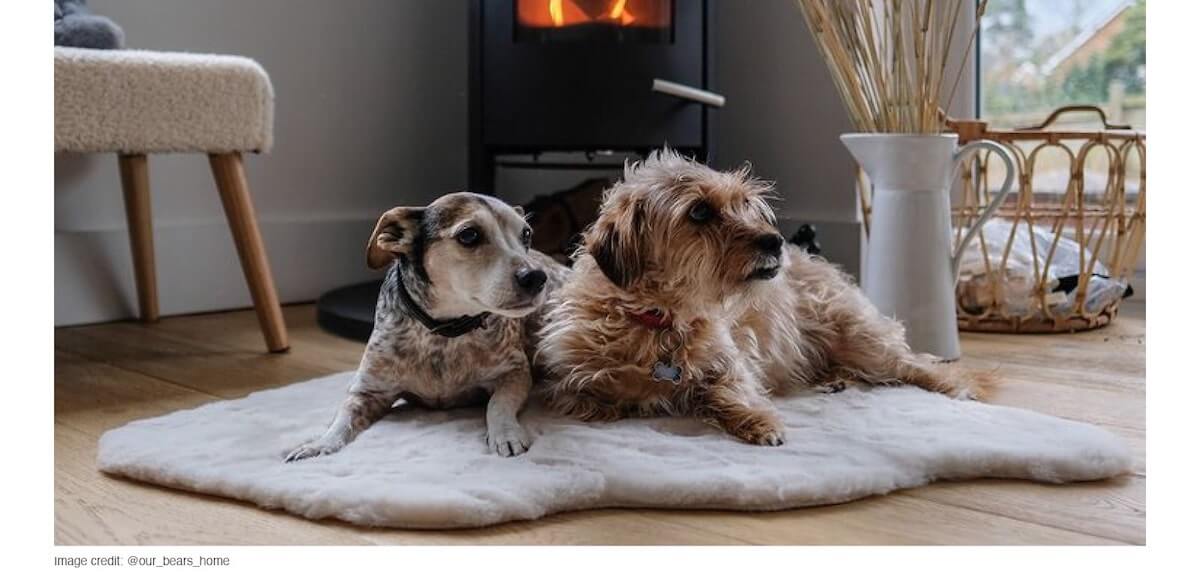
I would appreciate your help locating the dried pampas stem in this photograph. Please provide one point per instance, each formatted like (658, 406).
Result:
(888, 58)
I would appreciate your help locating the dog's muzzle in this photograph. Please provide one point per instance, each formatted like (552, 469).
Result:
(770, 248)
(528, 285)
(765, 270)
(530, 280)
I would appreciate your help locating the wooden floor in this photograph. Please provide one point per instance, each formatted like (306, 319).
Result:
(109, 374)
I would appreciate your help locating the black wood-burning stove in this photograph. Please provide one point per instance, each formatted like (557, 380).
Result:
(589, 77)
(625, 76)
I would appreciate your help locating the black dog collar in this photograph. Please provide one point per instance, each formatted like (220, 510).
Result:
(447, 328)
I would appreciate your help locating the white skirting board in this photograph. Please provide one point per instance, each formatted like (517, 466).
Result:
(198, 267)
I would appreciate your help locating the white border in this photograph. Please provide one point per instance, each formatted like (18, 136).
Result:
(27, 165)
(1172, 378)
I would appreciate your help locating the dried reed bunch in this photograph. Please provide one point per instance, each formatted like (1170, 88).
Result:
(889, 58)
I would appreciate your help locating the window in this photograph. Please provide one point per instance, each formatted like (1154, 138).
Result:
(1037, 55)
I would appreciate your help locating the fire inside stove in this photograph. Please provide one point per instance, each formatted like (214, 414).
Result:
(569, 20)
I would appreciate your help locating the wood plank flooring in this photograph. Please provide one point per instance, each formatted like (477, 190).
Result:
(109, 374)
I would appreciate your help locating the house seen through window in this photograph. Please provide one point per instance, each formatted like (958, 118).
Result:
(1037, 55)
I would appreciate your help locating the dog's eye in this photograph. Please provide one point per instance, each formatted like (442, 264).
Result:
(700, 212)
(468, 236)
(527, 237)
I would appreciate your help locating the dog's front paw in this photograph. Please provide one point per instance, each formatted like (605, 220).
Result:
(772, 438)
(765, 431)
(312, 449)
(508, 440)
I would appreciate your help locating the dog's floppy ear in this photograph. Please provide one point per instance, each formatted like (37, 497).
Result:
(616, 244)
(394, 235)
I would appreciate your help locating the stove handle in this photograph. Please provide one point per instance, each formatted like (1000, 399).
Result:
(687, 92)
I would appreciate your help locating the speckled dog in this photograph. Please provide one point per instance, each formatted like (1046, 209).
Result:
(452, 324)
(685, 301)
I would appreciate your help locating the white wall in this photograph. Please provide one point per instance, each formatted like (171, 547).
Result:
(370, 113)
(783, 114)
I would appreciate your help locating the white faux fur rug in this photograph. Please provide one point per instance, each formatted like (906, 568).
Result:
(430, 469)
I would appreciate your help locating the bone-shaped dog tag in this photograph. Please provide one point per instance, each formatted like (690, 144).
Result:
(666, 372)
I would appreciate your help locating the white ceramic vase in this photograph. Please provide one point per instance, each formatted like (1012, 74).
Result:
(911, 265)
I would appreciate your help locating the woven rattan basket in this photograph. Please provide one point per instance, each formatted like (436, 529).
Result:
(1084, 186)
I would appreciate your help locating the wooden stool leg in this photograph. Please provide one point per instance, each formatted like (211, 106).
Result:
(135, 184)
(235, 196)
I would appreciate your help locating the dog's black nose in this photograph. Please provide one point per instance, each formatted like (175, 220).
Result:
(531, 280)
(770, 243)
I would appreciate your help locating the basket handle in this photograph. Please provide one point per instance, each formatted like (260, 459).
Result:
(1072, 109)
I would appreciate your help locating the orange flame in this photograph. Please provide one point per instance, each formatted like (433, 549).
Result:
(618, 10)
(566, 13)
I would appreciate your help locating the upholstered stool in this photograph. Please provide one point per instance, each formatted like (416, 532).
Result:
(134, 103)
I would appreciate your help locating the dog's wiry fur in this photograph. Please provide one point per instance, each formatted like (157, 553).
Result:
(755, 318)
(405, 360)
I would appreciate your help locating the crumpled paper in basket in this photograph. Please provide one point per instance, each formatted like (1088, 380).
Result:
(1017, 280)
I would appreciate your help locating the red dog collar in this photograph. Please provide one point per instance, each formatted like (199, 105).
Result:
(654, 319)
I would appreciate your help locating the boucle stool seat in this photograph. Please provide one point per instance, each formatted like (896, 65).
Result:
(155, 102)
(133, 103)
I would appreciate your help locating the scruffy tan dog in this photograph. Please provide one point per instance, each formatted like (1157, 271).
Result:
(685, 301)
(453, 321)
